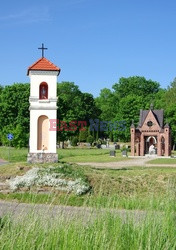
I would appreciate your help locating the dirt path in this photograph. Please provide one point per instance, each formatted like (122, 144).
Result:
(133, 162)
(2, 162)
(85, 214)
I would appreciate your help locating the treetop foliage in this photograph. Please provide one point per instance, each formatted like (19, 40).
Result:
(121, 103)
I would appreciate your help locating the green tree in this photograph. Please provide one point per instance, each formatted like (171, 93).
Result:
(1, 89)
(108, 104)
(169, 103)
(134, 93)
(83, 135)
(14, 106)
(20, 137)
(129, 108)
(160, 99)
(138, 86)
(73, 105)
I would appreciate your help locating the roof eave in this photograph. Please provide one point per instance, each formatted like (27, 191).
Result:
(59, 70)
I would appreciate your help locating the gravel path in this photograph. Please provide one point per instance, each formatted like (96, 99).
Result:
(132, 162)
(85, 214)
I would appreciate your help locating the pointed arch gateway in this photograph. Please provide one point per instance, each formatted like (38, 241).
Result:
(43, 133)
(152, 140)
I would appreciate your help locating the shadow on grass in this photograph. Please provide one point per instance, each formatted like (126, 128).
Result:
(112, 169)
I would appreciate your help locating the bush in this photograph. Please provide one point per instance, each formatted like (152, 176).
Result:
(74, 141)
(90, 139)
(124, 149)
(83, 135)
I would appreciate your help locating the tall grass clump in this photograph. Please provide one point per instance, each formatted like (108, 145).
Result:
(96, 229)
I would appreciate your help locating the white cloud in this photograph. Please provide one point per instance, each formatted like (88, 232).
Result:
(31, 15)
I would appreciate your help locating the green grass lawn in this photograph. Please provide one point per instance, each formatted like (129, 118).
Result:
(65, 155)
(89, 155)
(13, 154)
(163, 161)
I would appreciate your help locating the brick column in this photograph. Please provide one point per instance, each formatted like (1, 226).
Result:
(167, 140)
(138, 149)
(159, 145)
(132, 130)
(142, 146)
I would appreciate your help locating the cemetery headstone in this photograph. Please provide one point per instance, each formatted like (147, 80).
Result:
(112, 153)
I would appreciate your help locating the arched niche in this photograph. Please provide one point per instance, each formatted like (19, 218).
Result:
(43, 91)
(43, 133)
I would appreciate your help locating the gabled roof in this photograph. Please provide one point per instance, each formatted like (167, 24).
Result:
(43, 64)
(158, 114)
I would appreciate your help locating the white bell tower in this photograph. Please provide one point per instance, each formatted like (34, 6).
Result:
(43, 107)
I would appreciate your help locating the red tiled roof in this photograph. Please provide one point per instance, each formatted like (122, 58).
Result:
(43, 64)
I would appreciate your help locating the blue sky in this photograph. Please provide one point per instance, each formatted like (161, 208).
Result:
(94, 42)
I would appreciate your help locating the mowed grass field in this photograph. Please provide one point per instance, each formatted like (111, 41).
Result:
(163, 161)
(65, 155)
(89, 155)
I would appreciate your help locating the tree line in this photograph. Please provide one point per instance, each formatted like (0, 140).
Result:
(121, 103)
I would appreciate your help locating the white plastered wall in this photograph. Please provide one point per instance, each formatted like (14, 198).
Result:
(42, 107)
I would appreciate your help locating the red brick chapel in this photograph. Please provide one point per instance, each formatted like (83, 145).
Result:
(151, 137)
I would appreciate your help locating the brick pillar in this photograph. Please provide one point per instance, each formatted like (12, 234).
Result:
(132, 130)
(142, 146)
(167, 140)
(170, 142)
(137, 149)
(159, 145)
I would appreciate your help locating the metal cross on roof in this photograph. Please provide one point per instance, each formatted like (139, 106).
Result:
(43, 48)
